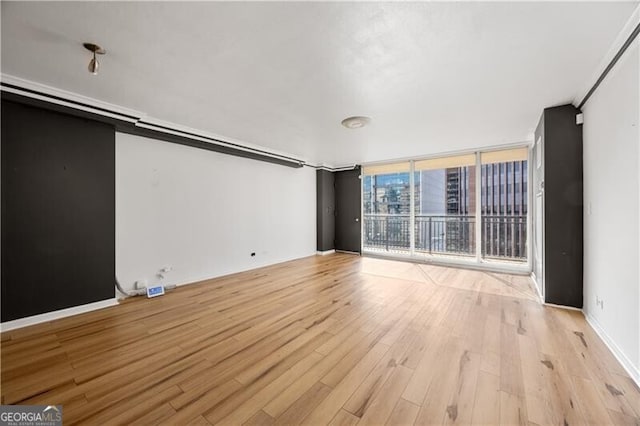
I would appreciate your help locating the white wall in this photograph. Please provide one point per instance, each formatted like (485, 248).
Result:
(611, 221)
(203, 213)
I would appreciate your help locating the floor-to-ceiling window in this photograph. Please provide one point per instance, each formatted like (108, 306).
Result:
(386, 202)
(504, 204)
(445, 213)
(470, 207)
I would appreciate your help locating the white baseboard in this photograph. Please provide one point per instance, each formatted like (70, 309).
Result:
(199, 279)
(324, 253)
(535, 285)
(62, 313)
(570, 308)
(629, 367)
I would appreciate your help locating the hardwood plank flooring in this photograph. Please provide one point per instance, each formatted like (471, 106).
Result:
(334, 339)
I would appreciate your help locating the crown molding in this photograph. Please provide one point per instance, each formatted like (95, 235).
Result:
(45, 92)
(180, 130)
(51, 95)
(618, 43)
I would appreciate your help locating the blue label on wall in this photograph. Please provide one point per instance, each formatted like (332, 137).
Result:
(155, 291)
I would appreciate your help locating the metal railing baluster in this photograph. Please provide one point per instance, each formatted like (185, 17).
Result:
(503, 236)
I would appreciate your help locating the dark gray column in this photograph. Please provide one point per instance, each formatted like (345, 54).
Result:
(326, 206)
(563, 236)
(58, 211)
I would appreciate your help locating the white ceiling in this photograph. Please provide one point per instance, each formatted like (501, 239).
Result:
(434, 77)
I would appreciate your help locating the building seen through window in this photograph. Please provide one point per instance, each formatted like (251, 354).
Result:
(445, 207)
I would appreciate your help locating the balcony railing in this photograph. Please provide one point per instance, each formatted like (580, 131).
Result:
(389, 232)
(503, 237)
(453, 234)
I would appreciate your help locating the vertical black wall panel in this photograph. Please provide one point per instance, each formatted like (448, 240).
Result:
(58, 211)
(326, 210)
(563, 240)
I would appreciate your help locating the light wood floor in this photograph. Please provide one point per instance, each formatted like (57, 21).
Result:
(325, 340)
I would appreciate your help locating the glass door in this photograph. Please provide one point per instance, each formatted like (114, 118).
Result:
(386, 202)
(504, 205)
(468, 208)
(445, 210)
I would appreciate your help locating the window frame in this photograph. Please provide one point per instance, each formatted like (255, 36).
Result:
(474, 262)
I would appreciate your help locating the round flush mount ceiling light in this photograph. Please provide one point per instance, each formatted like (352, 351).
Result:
(97, 50)
(355, 122)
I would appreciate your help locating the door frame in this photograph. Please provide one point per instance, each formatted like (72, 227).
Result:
(539, 221)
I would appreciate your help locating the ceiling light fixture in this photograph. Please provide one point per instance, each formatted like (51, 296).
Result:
(97, 50)
(355, 122)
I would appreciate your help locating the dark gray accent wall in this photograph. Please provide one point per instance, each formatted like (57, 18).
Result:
(563, 237)
(58, 211)
(326, 207)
